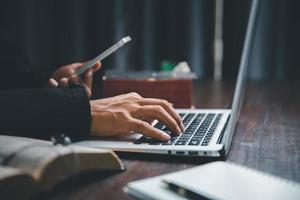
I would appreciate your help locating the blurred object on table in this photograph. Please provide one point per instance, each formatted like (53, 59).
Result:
(174, 86)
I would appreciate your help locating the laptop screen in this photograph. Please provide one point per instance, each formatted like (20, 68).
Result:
(242, 74)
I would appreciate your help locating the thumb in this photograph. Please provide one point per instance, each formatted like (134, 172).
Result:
(88, 80)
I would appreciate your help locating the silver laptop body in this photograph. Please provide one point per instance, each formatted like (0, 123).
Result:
(208, 132)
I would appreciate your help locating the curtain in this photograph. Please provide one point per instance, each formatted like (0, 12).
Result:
(52, 33)
(56, 32)
(276, 46)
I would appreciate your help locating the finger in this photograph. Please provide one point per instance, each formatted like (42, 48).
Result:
(63, 82)
(88, 78)
(149, 121)
(146, 129)
(73, 80)
(167, 106)
(133, 94)
(52, 82)
(157, 112)
(97, 66)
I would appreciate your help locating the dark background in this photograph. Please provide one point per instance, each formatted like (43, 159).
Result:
(41, 35)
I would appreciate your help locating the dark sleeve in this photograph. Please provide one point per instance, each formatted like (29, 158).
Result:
(40, 113)
(25, 79)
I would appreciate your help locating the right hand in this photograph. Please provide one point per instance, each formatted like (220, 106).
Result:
(124, 114)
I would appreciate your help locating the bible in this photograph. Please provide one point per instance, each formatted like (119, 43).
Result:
(31, 165)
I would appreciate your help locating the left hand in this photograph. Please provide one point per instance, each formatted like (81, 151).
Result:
(65, 76)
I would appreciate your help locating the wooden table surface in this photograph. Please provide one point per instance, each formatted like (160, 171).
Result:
(267, 138)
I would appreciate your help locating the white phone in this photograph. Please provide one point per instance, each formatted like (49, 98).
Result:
(103, 55)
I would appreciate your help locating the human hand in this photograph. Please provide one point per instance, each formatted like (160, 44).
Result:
(124, 114)
(65, 76)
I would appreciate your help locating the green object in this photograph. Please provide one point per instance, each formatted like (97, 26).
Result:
(166, 66)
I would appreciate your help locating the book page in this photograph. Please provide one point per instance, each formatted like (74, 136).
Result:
(49, 164)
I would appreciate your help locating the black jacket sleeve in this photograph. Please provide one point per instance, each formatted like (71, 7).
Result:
(41, 113)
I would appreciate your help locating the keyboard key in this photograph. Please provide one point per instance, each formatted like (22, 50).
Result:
(181, 142)
(174, 137)
(159, 126)
(184, 137)
(188, 134)
(204, 144)
(170, 142)
(194, 142)
(169, 132)
(197, 138)
(189, 131)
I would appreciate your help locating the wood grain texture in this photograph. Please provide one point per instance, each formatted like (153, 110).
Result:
(267, 138)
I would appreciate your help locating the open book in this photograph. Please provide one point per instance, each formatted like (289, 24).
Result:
(30, 165)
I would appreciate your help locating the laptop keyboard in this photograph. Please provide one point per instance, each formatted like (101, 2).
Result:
(199, 129)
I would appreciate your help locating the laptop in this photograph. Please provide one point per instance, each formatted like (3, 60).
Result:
(208, 132)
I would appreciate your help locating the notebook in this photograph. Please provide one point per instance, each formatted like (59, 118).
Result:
(216, 180)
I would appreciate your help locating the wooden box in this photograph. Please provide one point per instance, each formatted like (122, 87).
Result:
(176, 89)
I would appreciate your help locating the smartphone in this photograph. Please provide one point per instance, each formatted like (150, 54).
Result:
(103, 55)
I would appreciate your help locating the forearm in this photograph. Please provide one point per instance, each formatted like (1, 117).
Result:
(40, 113)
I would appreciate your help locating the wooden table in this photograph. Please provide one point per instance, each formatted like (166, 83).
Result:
(267, 138)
